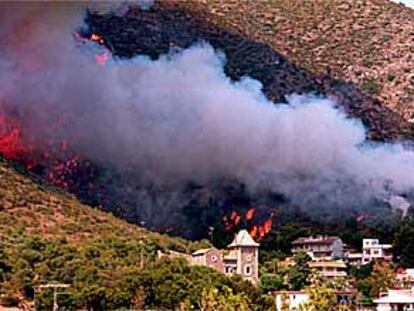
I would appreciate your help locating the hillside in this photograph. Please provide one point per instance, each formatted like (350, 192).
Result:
(26, 204)
(359, 52)
(369, 43)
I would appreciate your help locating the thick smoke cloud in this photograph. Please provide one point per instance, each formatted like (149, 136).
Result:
(180, 118)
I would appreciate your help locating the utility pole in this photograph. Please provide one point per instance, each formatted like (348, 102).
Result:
(54, 286)
(141, 255)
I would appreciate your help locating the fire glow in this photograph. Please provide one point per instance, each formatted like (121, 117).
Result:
(59, 164)
(257, 230)
(11, 143)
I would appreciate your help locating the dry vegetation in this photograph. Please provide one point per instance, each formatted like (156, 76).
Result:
(40, 210)
(368, 42)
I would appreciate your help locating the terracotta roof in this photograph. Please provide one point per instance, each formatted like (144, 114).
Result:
(243, 238)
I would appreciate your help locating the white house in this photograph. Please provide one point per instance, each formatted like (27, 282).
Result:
(396, 300)
(371, 250)
(292, 300)
(405, 278)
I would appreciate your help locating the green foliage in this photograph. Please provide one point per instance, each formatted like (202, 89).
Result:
(223, 299)
(270, 282)
(322, 295)
(362, 272)
(298, 275)
(373, 279)
(114, 273)
(404, 243)
(382, 278)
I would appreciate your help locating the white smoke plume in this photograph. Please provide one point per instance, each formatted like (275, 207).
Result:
(180, 118)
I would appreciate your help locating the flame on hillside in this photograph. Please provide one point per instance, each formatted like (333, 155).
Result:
(258, 230)
(60, 166)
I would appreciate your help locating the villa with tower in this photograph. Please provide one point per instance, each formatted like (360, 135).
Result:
(240, 257)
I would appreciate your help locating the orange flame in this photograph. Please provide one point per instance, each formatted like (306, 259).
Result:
(235, 217)
(260, 232)
(250, 213)
(253, 232)
(97, 38)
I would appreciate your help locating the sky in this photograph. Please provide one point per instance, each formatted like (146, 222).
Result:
(409, 3)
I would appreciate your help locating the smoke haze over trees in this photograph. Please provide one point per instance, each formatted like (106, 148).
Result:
(179, 119)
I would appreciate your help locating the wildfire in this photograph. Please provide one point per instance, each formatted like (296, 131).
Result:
(101, 59)
(250, 213)
(97, 38)
(60, 167)
(231, 222)
(257, 231)
(10, 138)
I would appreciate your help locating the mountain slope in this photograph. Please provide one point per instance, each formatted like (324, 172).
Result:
(359, 52)
(43, 211)
(370, 43)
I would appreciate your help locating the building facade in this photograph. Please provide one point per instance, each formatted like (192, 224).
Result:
(240, 257)
(296, 300)
(329, 268)
(396, 300)
(327, 247)
(371, 250)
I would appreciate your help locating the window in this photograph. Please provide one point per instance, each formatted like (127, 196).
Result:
(214, 258)
(249, 257)
(248, 270)
(229, 270)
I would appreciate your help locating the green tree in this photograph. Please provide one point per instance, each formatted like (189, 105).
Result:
(298, 274)
(213, 299)
(404, 243)
(322, 296)
(270, 282)
(382, 278)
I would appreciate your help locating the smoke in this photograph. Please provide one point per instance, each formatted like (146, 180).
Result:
(180, 119)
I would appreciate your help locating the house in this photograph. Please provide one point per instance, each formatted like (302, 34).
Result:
(210, 257)
(292, 300)
(241, 257)
(321, 246)
(329, 268)
(405, 278)
(371, 250)
(396, 300)
(354, 259)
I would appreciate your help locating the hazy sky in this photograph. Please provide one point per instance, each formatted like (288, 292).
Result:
(409, 3)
